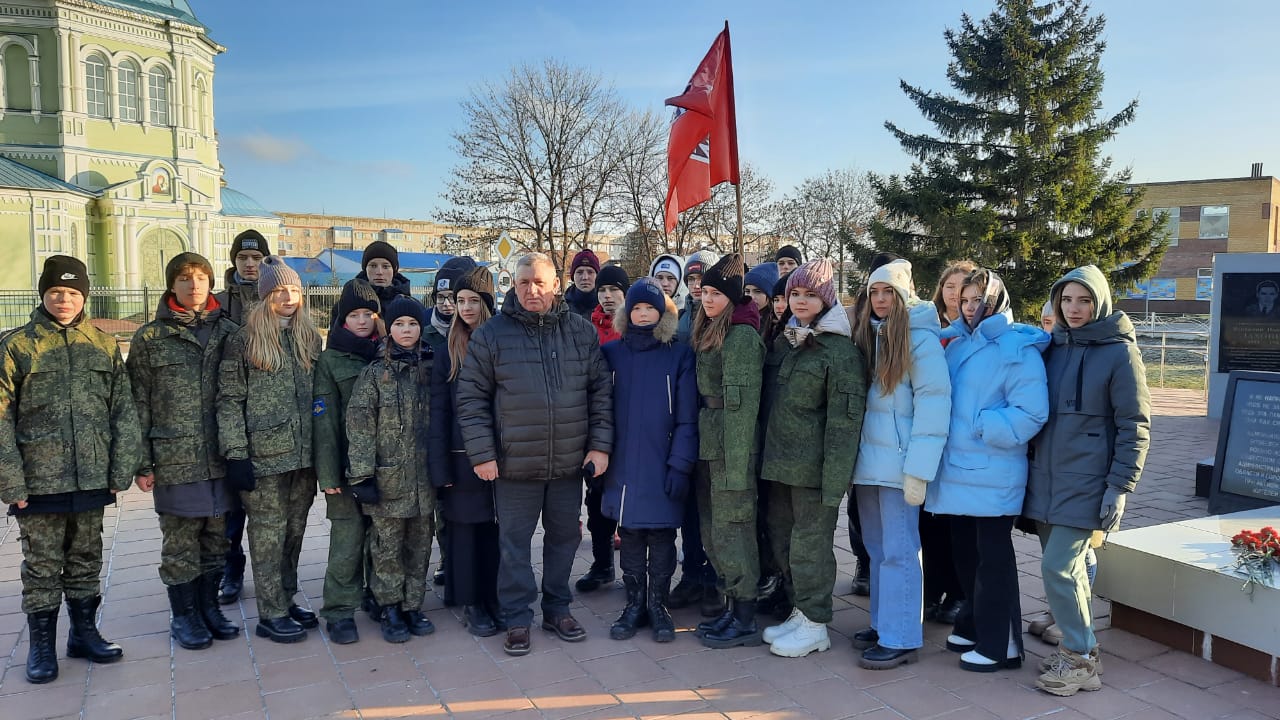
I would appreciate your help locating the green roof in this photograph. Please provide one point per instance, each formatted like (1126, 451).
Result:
(237, 203)
(170, 9)
(14, 174)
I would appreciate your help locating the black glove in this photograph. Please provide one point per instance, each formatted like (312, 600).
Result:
(240, 476)
(365, 492)
(594, 484)
(677, 484)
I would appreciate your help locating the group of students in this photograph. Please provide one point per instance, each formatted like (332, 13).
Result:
(741, 422)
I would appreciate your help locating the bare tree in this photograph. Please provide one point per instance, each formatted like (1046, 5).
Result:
(714, 224)
(537, 154)
(826, 213)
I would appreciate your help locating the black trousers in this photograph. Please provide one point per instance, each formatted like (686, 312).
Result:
(601, 528)
(987, 568)
(696, 565)
(471, 575)
(648, 552)
(939, 567)
(235, 537)
(855, 532)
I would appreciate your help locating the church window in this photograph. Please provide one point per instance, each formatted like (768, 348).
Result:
(17, 78)
(95, 87)
(127, 90)
(158, 79)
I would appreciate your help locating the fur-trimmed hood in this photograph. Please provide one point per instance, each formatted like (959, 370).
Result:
(667, 324)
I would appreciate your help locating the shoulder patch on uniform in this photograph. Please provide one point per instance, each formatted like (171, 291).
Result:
(318, 407)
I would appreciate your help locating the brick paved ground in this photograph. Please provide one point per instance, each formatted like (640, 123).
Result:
(451, 674)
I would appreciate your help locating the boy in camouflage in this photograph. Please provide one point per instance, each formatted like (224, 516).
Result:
(173, 360)
(68, 443)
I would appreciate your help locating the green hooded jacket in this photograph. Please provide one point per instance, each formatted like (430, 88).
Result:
(734, 375)
(67, 418)
(1099, 426)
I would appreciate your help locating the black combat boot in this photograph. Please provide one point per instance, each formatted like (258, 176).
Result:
(741, 631)
(187, 626)
(601, 573)
(394, 627)
(84, 640)
(634, 614)
(716, 624)
(664, 628)
(232, 580)
(42, 658)
(207, 600)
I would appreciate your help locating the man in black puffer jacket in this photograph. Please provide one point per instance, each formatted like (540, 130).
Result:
(535, 406)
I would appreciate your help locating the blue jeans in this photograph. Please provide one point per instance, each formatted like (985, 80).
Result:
(1066, 584)
(519, 505)
(891, 532)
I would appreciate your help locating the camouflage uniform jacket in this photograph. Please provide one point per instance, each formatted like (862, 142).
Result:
(175, 388)
(816, 419)
(67, 420)
(387, 426)
(264, 415)
(731, 377)
(237, 298)
(336, 373)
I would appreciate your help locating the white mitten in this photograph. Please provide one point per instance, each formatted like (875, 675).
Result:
(913, 490)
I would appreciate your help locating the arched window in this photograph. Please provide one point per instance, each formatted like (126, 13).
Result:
(127, 91)
(158, 87)
(202, 107)
(17, 78)
(95, 87)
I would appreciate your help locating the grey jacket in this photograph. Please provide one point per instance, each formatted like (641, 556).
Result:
(534, 393)
(1099, 426)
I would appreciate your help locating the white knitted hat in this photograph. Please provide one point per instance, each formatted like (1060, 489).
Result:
(896, 274)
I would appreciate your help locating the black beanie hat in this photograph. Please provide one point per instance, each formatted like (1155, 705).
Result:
(780, 287)
(882, 258)
(790, 251)
(180, 261)
(380, 249)
(613, 275)
(249, 240)
(449, 273)
(727, 276)
(357, 294)
(479, 281)
(64, 271)
(404, 306)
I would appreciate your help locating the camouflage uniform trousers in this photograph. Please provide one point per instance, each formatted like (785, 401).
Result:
(728, 520)
(401, 551)
(191, 547)
(802, 531)
(349, 569)
(61, 556)
(277, 520)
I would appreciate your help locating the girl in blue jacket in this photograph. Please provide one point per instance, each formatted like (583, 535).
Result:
(999, 401)
(903, 433)
(655, 407)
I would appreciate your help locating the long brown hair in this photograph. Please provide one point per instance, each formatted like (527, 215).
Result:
(459, 336)
(709, 333)
(958, 266)
(263, 347)
(890, 357)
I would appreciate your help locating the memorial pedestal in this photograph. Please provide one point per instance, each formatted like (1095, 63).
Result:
(1171, 583)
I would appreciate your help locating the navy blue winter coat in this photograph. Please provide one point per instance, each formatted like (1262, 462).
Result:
(655, 406)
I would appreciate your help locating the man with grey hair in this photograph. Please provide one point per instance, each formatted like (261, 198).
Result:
(535, 406)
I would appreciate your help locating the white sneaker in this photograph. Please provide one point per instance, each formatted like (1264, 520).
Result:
(808, 637)
(774, 632)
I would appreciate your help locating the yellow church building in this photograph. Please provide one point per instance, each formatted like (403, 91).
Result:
(107, 144)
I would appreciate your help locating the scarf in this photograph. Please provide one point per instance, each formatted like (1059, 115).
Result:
(342, 339)
(442, 325)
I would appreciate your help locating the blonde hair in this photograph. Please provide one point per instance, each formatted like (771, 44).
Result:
(889, 358)
(460, 336)
(263, 347)
(959, 266)
(709, 333)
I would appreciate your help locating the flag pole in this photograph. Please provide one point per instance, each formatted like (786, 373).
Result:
(737, 193)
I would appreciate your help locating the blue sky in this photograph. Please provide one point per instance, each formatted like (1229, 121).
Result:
(348, 107)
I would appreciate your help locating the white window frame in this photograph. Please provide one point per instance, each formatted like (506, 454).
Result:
(158, 85)
(127, 92)
(96, 96)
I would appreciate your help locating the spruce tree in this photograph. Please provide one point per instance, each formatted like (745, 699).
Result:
(1014, 178)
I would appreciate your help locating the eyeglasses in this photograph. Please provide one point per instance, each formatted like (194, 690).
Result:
(443, 299)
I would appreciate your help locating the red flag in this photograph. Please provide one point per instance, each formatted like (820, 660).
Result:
(702, 151)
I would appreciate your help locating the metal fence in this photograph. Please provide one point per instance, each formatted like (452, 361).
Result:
(133, 308)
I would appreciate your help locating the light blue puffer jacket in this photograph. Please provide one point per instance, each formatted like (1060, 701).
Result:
(999, 401)
(905, 431)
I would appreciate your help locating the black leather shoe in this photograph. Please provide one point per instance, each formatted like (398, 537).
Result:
(716, 624)
(594, 578)
(883, 658)
(948, 611)
(931, 611)
(281, 630)
(42, 657)
(478, 621)
(370, 605)
(742, 631)
(438, 578)
(343, 632)
(232, 581)
(418, 623)
(862, 578)
(394, 629)
(303, 617)
(865, 638)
